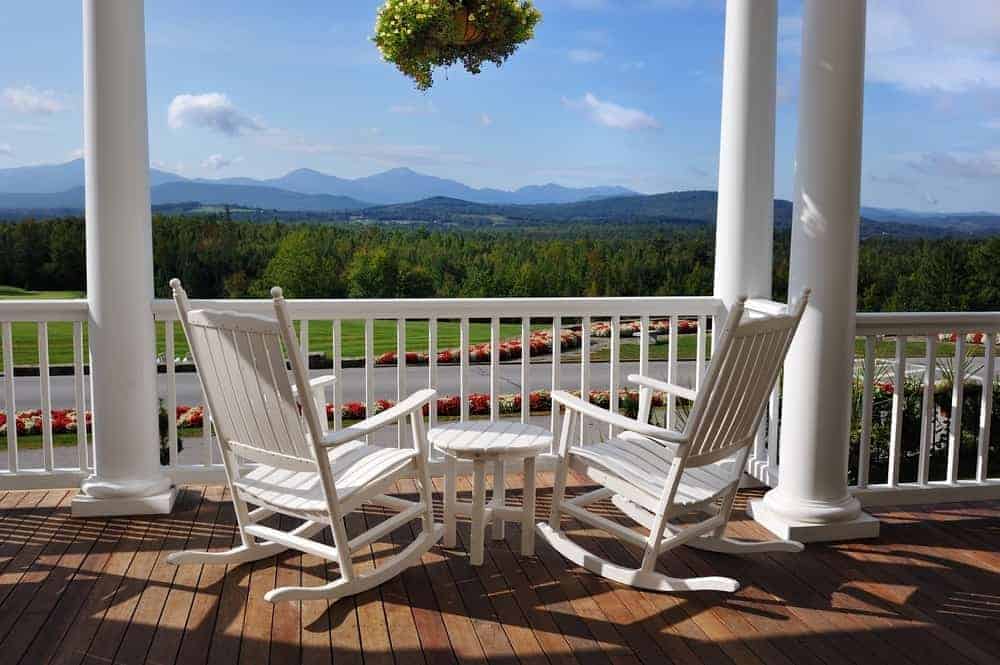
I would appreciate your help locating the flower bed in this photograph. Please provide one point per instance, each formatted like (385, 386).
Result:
(539, 343)
(633, 328)
(193, 417)
(970, 338)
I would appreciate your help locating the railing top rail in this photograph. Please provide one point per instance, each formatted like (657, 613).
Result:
(926, 323)
(43, 310)
(414, 308)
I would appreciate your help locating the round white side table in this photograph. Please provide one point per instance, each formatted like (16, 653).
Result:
(496, 442)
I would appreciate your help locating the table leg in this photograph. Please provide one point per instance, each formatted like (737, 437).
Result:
(450, 500)
(499, 496)
(478, 511)
(528, 510)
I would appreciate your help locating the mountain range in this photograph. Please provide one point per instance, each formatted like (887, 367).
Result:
(56, 184)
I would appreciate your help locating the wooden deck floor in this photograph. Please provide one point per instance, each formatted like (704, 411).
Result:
(100, 591)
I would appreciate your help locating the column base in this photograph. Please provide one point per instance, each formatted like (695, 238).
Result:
(157, 504)
(861, 525)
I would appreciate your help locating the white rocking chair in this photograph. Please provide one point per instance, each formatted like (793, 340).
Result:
(679, 486)
(301, 469)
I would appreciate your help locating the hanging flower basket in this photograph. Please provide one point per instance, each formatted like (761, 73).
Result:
(420, 35)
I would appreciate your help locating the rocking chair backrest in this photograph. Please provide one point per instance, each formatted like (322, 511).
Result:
(727, 412)
(243, 372)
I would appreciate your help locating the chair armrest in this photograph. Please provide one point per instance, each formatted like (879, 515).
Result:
(414, 402)
(610, 418)
(663, 386)
(319, 383)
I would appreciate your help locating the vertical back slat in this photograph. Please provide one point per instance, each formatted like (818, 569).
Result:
(898, 402)
(432, 364)
(584, 372)
(867, 397)
(525, 368)
(263, 379)
(304, 340)
(338, 383)
(171, 377)
(45, 393)
(556, 372)
(285, 399)
(957, 397)
(928, 411)
(80, 398)
(494, 369)
(401, 391)
(986, 407)
(463, 368)
(11, 403)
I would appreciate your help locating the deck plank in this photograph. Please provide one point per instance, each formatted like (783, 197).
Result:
(99, 590)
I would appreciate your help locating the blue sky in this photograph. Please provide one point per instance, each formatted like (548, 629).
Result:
(622, 92)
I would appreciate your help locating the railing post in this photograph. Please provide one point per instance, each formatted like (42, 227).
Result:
(127, 476)
(745, 219)
(812, 501)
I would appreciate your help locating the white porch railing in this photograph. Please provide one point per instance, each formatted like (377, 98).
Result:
(49, 465)
(523, 315)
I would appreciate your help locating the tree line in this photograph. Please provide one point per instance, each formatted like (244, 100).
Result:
(220, 258)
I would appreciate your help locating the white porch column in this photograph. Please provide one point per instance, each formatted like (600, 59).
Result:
(811, 501)
(745, 219)
(127, 476)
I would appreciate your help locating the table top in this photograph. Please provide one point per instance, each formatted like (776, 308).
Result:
(482, 438)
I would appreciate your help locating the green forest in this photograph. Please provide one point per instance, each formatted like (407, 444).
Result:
(219, 258)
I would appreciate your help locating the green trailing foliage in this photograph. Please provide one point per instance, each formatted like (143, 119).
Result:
(421, 35)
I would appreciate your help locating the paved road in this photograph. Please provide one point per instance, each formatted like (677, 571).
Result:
(540, 376)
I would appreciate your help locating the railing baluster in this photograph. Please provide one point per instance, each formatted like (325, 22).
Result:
(927, 410)
(463, 369)
(584, 372)
(867, 395)
(304, 340)
(672, 372)
(774, 433)
(432, 365)
(494, 369)
(525, 368)
(898, 402)
(556, 371)
(986, 407)
(8, 370)
(615, 340)
(400, 379)
(338, 383)
(699, 358)
(45, 390)
(168, 354)
(79, 397)
(957, 397)
(645, 407)
(369, 371)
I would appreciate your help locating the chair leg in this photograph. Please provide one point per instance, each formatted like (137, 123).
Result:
(450, 500)
(478, 518)
(528, 509)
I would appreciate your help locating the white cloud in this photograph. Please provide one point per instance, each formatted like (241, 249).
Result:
(6, 150)
(218, 162)
(76, 154)
(213, 111)
(933, 46)
(613, 115)
(413, 109)
(584, 56)
(983, 165)
(26, 99)
(485, 119)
